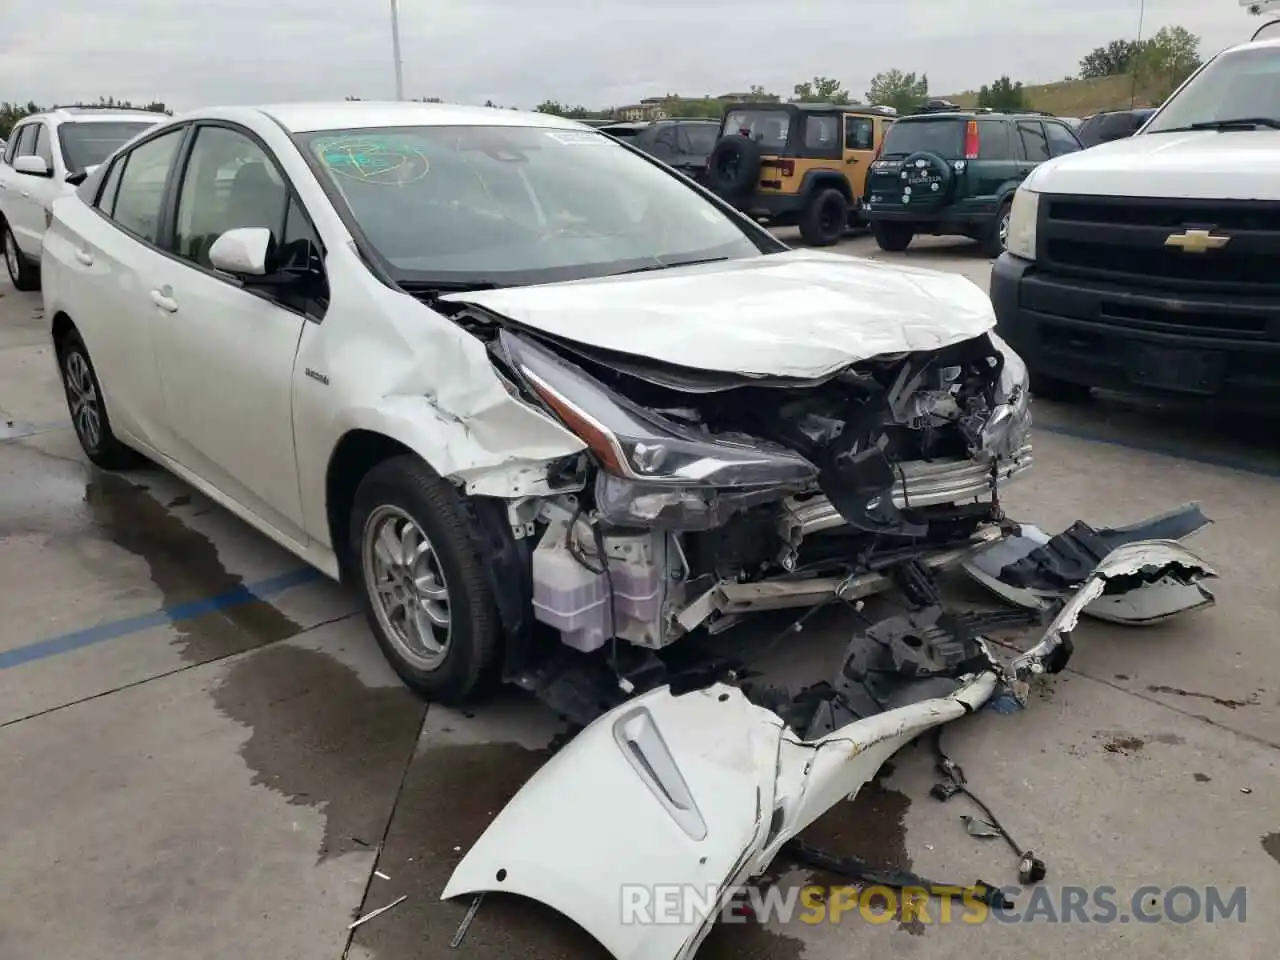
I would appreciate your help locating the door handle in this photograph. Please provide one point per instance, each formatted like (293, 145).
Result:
(852, 160)
(27, 194)
(165, 303)
(85, 257)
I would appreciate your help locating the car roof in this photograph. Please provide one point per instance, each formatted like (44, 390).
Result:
(808, 107)
(361, 114)
(91, 114)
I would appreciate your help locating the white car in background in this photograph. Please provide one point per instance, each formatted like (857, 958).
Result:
(42, 151)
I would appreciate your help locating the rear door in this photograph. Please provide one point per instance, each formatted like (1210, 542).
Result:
(997, 166)
(21, 201)
(859, 150)
(1061, 139)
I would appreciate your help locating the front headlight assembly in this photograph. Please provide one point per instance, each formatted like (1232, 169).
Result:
(655, 471)
(1007, 428)
(1022, 224)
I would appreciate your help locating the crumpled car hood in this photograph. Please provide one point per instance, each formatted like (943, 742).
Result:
(802, 313)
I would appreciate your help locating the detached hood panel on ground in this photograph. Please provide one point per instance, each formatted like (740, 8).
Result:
(801, 313)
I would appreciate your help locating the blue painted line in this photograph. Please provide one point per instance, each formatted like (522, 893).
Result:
(79, 639)
(1167, 450)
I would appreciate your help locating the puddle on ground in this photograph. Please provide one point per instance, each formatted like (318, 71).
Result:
(76, 507)
(322, 738)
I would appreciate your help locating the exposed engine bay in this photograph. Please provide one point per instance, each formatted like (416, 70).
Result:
(705, 496)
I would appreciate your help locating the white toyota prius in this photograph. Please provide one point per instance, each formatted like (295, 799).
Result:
(527, 388)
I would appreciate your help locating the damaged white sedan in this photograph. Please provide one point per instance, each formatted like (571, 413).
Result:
(547, 402)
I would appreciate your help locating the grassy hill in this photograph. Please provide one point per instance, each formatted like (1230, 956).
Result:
(1073, 98)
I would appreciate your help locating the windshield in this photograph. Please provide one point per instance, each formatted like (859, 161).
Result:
(1242, 84)
(85, 144)
(944, 136)
(497, 204)
(766, 127)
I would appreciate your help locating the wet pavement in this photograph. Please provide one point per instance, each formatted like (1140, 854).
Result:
(202, 753)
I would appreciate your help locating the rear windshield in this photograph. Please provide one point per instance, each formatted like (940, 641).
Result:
(702, 136)
(769, 128)
(85, 144)
(943, 136)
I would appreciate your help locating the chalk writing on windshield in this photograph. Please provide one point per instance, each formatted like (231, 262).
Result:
(372, 159)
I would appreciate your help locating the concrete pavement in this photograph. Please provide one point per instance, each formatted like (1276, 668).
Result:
(203, 755)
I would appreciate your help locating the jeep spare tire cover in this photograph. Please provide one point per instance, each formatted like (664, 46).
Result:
(925, 180)
(734, 164)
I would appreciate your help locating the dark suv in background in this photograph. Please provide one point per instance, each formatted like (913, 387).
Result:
(953, 172)
(683, 144)
(1112, 125)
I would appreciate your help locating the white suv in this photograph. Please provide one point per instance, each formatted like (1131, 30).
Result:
(42, 151)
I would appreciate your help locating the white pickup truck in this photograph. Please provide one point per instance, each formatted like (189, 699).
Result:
(42, 151)
(1149, 264)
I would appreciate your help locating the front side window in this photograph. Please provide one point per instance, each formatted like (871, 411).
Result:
(1061, 140)
(859, 133)
(229, 182)
(1033, 140)
(89, 142)
(140, 193)
(1240, 85)
(505, 204)
(42, 148)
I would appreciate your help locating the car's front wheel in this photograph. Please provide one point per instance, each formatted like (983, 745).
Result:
(422, 581)
(24, 274)
(88, 409)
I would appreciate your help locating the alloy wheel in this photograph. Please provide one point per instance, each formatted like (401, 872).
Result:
(82, 397)
(11, 261)
(406, 586)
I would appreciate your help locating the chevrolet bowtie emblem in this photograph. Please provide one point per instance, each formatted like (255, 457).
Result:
(1196, 241)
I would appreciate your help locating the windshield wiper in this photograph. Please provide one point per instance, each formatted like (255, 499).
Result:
(667, 266)
(447, 286)
(1236, 123)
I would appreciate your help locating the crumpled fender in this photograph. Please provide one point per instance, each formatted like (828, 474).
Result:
(693, 793)
(500, 450)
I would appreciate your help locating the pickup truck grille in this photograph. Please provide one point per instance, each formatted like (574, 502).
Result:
(1123, 239)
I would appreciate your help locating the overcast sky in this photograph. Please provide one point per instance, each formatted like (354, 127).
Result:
(521, 52)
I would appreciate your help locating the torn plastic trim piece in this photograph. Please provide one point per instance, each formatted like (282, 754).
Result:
(1128, 567)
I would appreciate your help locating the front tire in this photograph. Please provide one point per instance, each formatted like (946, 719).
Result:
(996, 237)
(893, 237)
(24, 274)
(825, 218)
(422, 581)
(88, 409)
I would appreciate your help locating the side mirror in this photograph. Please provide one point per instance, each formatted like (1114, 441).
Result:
(243, 252)
(33, 166)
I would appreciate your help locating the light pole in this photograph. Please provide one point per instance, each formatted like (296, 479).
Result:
(1137, 59)
(395, 50)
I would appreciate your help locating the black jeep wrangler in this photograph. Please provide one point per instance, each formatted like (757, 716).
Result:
(947, 171)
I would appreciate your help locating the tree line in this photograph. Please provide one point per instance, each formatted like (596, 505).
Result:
(11, 113)
(1158, 66)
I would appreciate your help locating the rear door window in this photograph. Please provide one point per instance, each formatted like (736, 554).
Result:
(821, 132)
(993, 140)
(701, 137)
(1061, 140)
(943, 136)
(1034, 142)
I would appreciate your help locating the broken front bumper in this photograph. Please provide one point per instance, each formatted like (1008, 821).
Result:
(920, 484)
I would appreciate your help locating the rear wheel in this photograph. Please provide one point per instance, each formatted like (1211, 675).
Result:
(422, 581)
(891, 236)
(24, 274)
(88, 410)
(996, 237)
(825, 218)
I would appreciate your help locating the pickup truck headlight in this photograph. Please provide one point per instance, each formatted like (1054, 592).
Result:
(636, 444)
(1022, 224)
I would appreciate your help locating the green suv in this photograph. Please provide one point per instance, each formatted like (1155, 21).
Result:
(953, 172)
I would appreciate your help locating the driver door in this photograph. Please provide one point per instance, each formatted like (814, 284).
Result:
(859, 150)
(226, 350)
